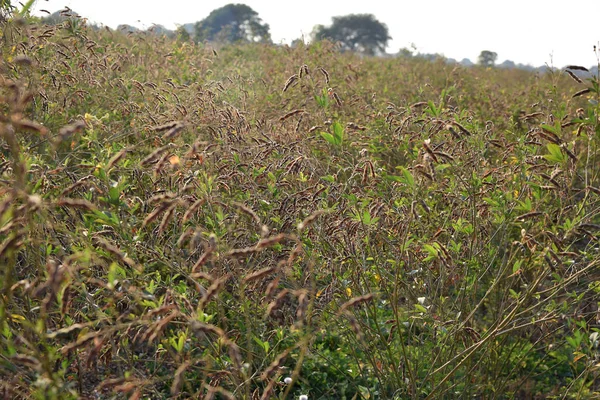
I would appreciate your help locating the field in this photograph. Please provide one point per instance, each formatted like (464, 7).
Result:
(179, 220)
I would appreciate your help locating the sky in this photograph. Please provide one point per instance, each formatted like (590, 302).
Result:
(530, 32)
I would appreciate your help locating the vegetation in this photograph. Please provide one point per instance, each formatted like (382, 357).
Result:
(233, 23)
(274, 222)
(487, 58)
(361, 33)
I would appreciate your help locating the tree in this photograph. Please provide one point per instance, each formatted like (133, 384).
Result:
(182, 34)
(362, 33)
(487, 58)
(405, 53)
(233, 23)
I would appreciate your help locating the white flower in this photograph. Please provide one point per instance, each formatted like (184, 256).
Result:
(421, 300)
(303, 397)
(287, 380)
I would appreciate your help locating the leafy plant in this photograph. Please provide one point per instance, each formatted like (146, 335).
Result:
(168, 231)
(337, 137)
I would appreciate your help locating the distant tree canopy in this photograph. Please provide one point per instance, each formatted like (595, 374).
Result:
(487, 58)
(233, 23)
(361, 33)
(182, 34)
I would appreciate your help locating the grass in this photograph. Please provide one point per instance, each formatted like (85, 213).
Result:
(178, 220)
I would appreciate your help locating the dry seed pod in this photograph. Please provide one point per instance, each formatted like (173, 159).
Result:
(268, 392)
(166, 218)
(172, 132)
(582, 92)
(303, 301)
(575, 77)
(276, 302)
(75, 185)
(267, 373)
(187, 234)
(29, 126)
(267, 242)
(201, 327)
(325, 74)
(248, 211)
(419, 104)
(271, 288)
(594, 190)
(338, 101)
(243, 252)
(577, 68)
(234, 353)
(117, 157)
(259, 274)
(155, 213)
(462, 128)
(289, 82)
(355, 326)
(161, 326)
(291, 114)
(157, 312)
(532, 115)
(154, 155)
(212, 291)
(429, 151)
(355, 301)
(310, 219)
(201, 261)
(66, 131)
(190, 211)
(76, 203)
(114, 250)
(179, 377)
(23, 60)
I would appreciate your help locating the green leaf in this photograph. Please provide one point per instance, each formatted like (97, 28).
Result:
(406, 178)
(181, 341)
(432, 109)
(264, 345)
(432, 251)
(328, 137)
(338, 132)
(517, 266)
(420, 308)
(114, 193)
(572, 342)
(556, 155)
(409, 179)
(112, 275)
(550, 128)
(366, 217)
(337, 137)
(25, 9)
(105, 217)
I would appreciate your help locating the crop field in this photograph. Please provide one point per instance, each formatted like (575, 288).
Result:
(182, 220)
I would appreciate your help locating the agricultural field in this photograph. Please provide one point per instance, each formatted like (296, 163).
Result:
(179, 220)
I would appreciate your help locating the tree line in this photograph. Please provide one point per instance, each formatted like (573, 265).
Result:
(234, 23)
(361, 33)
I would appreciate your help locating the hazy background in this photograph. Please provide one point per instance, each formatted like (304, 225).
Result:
(529, 32)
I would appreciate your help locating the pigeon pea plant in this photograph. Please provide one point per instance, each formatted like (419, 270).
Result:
(173, 224)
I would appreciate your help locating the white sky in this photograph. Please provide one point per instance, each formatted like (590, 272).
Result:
(532, 32)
